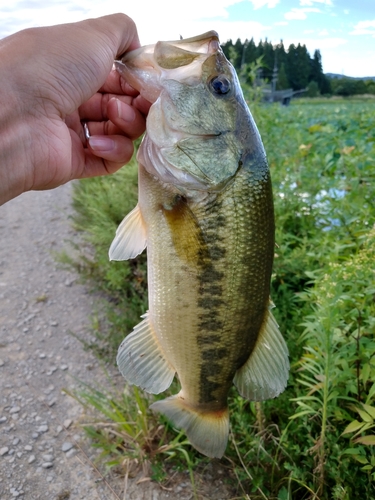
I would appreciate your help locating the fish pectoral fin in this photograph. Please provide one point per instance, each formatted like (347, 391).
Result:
(265, 374)
(130, 239)
(207, 431)
(141, 359)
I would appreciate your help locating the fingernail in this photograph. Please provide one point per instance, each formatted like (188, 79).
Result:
(101, 143)
(125, 112)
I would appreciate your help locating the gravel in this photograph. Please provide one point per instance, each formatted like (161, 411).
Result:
(41, 306)
(42, 309)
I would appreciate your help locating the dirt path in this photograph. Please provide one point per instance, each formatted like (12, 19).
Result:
(40, 305)
(42, 455)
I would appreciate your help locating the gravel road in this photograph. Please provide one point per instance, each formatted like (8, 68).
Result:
(40, 305)
(42, 452)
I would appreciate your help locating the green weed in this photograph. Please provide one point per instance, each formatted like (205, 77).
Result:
(130, 436)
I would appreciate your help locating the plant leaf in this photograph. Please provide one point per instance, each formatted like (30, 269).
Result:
(368, 440)
(301, 414)
(365, 416)
(371, 393)
(370, 410)
(353, 427)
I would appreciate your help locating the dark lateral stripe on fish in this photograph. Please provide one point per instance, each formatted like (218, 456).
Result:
(210, 274)
(214, 353)
(211, 289)
(211, 389)
(210, 302)
(208, 322)
(207, 386)
(209, 339)
(217, 252)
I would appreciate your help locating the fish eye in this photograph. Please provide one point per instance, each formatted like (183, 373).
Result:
(220, 85)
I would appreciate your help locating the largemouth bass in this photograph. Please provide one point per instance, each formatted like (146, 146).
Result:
(205, 212)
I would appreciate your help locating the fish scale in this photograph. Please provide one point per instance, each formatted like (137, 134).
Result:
(205, 213)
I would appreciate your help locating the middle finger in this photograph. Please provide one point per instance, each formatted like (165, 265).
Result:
(122, 120)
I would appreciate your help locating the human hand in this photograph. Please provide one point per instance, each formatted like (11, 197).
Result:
(51, 81)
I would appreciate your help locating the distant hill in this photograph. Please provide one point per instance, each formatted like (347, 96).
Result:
(338, 76)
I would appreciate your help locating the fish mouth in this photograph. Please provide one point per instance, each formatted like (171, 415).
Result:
(146, 68)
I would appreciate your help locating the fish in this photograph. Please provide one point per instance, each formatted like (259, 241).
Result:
(205, 213)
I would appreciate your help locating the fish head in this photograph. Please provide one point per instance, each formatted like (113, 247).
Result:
(199, 127)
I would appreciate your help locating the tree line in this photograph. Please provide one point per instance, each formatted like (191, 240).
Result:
(296, 69)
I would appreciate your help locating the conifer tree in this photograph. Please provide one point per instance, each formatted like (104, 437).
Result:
(282, 80)
(250, 51)
(295, 66)
(298, 66)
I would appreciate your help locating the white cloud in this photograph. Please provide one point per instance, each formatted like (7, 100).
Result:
(299, 14)
(323, 32)
(350, 63)
(309, 3)
(262, 3)
(325, 43)
(155, 20)
(183, 18)
(364, 28)
(233, 30)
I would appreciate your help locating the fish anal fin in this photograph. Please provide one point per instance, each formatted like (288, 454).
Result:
(206, 431)
(141, 359)
(130, 239)
(265, 374)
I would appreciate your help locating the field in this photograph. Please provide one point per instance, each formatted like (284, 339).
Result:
(317, 439)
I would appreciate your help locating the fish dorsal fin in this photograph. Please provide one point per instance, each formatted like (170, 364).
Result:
(141, 359)
(130, 239)
(265, 374)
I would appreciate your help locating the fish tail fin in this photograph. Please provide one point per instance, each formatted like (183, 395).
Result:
(207, 431)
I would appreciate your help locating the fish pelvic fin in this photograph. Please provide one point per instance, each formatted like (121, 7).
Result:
(206, 431)
(130, 239)
(265, 374)
(142, 361)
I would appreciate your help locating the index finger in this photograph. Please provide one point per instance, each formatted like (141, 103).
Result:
(115, 84)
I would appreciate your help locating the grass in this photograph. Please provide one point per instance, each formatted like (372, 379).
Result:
(316, 440)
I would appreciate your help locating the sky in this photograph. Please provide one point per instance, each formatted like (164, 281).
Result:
(343, 30)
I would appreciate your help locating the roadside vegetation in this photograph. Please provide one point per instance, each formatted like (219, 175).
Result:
(315, 441)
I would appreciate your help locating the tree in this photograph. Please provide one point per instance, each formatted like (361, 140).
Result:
(250, 52)
(317, 75)
(370, 87)
(345, 87)
(268, 59)
(313, 89)
(226, 48)
(282, 80)
(360, 87)
(280, 54)
(237, 54)
(316, 71)
(325, 86)
(298, 66)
